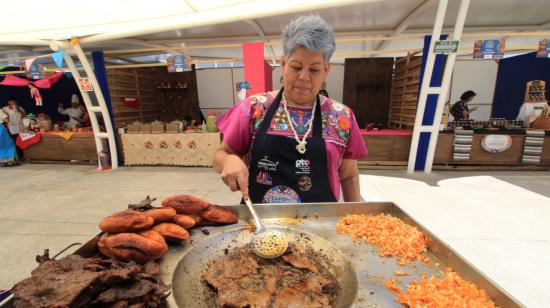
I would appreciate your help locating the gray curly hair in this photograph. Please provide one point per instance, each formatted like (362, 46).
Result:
(311, 32)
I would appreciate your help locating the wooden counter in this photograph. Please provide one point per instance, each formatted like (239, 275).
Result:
(392, 151)
(478, 156)
(386, 148)
(510, 159)
(51, 147)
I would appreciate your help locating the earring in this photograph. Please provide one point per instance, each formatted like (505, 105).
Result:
(281, 80)
(324, 85)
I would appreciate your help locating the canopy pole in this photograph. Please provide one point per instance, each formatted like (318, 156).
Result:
(432, 129)
(99, 98)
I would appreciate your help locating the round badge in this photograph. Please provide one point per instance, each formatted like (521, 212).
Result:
(281, 194)
(337, 106)
(304, 183)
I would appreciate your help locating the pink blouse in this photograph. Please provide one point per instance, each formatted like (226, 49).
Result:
(341, 133)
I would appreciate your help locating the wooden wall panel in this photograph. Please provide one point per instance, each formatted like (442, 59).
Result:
(545, 159)
(387, 148)
(405, 91)
(144, 83)
(367, 89)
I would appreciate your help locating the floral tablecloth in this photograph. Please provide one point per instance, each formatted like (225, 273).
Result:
(182, 149)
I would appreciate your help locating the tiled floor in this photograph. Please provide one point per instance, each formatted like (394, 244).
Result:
(51, 206)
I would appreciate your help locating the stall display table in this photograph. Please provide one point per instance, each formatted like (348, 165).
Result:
(389, 148)
(178, 149)
(510, 159)
(54, 147)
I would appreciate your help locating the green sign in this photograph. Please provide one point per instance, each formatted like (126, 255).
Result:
(446, 47)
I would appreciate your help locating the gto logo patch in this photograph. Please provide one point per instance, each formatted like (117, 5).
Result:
(303, 166)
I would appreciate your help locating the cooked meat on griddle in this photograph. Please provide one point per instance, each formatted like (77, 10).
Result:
(141, 291)
(232, 267)
(75, 281)
(299, 259)
(243, 280)
(289, 297)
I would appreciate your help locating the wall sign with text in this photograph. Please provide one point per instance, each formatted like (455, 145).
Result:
(489, 49)
(446, 47)
(544, 49)
(85, 84)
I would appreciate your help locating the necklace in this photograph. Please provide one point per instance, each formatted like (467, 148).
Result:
(301, 147)
(301, 127)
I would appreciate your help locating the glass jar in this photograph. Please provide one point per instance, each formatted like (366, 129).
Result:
(211, 122)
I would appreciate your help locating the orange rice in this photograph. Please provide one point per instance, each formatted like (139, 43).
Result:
(391, 235)
(452, 291)
(401, 273)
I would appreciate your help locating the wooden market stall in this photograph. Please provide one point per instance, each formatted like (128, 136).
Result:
(150, 106)
(523, 136)
(66, 147)
(142, 94)
(45, 137)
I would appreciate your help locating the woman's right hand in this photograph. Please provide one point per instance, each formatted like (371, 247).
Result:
(235, 174)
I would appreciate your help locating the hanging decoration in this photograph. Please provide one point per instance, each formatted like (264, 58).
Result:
(28, 63)
(44, 83)
(58, 58)
(36, 72)
(35, 93)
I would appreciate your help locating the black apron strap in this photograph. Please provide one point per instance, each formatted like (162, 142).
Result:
(318, 120)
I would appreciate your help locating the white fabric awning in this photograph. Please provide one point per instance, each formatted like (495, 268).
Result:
(38, 22)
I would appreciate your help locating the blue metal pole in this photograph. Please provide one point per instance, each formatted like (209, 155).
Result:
(101, 75)
(431, 101)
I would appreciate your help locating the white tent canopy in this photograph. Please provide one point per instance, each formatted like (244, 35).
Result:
(108, 25)
(363, 28)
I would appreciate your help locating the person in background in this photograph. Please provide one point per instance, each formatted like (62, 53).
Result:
(460, 109)
(324, 93)
(15, 125)
(74, 113)
(7, 147)
(85, 118)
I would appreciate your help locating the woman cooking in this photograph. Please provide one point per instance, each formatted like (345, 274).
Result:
(292, 145)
